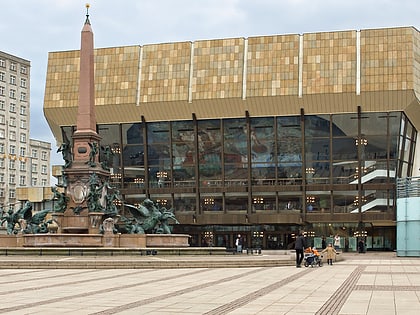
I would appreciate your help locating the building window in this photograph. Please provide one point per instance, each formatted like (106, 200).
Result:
(22, 151)
(1, 147)
(23, 124)
(34, 153)
(23, 137)
(34, 168)
(2, 63)
(1, 163)
(12, 165)
(12, 149)
(22, 166)
(23, 83)
(12, 179)
(44, 155)
(2, 104)
(1, 178)
(1, 192)
(23, 96)
(44, 182)
(2, 119)
(1, 133)
(34, 182)
(12, 195)
(44, 169)
(12, 107)
(12, 79)
(12, 94)
(2, 76)
(22, 180)
(23, 110)
(12, 122)
(12, 135)
(13, 66)
(23, 70)
(2, 89)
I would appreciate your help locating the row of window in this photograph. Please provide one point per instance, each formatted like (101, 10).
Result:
(12, 136)
(12, 80)
(12, 122)
(22, 180)
(12, 93)
(22, 166)
(12, 194)
(22, 152)
(13, 66)
(12, 107)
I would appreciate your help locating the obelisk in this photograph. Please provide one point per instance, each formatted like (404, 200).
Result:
(85, 177)
(85, 133)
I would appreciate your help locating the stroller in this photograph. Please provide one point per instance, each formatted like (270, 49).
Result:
(312, 257)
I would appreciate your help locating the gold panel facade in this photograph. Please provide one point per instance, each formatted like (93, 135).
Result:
(329, 62)
(273, 66)
(387, 59)
(218, 68)
(165, 72)
(62, 85)
(206, 77)
(116, 75)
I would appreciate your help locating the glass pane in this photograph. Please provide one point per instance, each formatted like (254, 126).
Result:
(184, 202)
(374, 124)
(317, 126)
(236, 202)
(210, 148)
(236, 142)
(394, 123)
(132, 133)
(262, 141)
(289, 142)
(211, 202)
(344, 125)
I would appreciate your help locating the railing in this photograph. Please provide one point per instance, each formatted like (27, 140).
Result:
(408, 187)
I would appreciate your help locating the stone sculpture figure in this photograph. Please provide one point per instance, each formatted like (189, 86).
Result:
(60, 200)
(92, 154)
(108, 154)
(94, 195)
(65, 150)
(149, 218)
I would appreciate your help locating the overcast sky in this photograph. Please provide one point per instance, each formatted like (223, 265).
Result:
(31, 28)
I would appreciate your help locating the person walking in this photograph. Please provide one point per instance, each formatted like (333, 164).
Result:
(238, 244)
(300, 245)
(337, 242)
(331, 252)
(361, 246)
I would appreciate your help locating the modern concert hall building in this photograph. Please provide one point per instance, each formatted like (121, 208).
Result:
(259, 136)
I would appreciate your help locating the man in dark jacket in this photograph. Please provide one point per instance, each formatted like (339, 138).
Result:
(300, 245)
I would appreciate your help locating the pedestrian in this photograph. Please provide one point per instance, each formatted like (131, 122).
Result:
(331, 252)
(324, 242)
(238, 244)
(300, 245)
(361, 246)
(337, 242)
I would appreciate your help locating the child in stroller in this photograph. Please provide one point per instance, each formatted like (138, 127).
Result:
(312, 257)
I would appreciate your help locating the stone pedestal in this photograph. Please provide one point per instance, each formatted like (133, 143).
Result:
(95, 221)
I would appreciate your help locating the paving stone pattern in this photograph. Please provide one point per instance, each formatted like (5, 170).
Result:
(359, 284)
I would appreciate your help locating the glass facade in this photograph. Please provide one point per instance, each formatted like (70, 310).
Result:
(328, 174)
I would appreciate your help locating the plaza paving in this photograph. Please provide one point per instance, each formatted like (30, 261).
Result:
(371, 283)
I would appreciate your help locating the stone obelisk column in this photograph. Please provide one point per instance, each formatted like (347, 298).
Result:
(84, 176)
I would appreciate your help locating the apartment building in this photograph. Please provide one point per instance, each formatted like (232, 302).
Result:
(23, 161)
